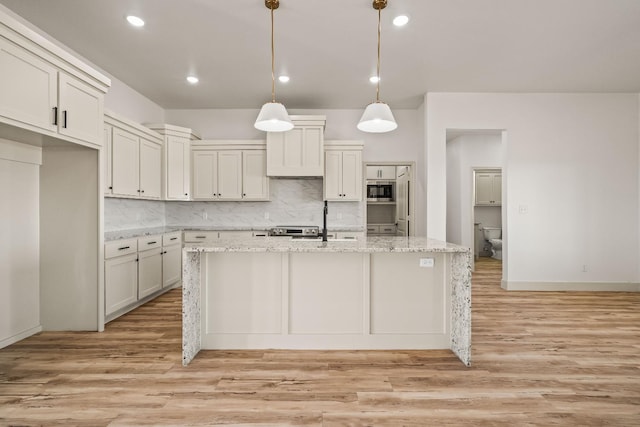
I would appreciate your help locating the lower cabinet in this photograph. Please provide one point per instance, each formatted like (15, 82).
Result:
(138, 269)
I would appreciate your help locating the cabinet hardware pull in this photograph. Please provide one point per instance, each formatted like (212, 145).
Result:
(64, 119)
(142, 191)
(152, 243)
(55, 116)
(124, 247)
(111, 187)
(138, 191)
(185, 194)
(173, 238)
(201, 237)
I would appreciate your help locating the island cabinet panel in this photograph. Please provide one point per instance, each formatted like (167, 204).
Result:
(405, 297)
(251, 303)
(322, 302)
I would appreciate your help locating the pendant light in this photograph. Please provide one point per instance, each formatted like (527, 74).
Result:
(377, 117)
(273, 116)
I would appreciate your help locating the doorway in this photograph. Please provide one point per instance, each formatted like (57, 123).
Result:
(475, 189)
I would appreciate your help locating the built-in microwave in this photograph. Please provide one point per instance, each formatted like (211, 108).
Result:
(381, 191)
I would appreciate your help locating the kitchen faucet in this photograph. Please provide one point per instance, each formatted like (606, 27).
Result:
(324, 222)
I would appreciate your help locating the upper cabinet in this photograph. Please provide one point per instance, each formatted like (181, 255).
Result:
(343, 170)
(133, 168)
(298, 152)
(46, 90)
(229, 170)
(381, 172)
(488, 186)
(176, 160)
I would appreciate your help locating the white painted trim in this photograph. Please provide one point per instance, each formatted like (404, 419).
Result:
(17, 152)
(19, 337)
(571, 286)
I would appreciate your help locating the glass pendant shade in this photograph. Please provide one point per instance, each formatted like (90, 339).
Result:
(377, 118)
(273, 117)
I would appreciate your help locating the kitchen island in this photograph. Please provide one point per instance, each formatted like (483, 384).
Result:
(373, 293)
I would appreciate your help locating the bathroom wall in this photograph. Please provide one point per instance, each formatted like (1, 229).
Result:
(488, 216)
(293, 202)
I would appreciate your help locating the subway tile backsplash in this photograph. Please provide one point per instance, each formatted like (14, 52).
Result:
(293, 202)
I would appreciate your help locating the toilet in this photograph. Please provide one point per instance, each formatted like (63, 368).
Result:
(494, 236)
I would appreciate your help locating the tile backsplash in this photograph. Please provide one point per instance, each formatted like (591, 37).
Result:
(293, 202)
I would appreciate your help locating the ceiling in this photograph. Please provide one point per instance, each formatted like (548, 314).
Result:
(328, 48)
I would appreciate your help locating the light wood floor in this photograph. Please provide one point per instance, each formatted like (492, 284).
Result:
(547, 359)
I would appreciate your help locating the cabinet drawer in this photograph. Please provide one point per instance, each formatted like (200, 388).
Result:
(200, 236)
(120, 248)
(149, 242)
(388, 229)
(174, 238)
(373, 229)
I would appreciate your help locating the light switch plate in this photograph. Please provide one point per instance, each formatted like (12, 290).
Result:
(426, 262)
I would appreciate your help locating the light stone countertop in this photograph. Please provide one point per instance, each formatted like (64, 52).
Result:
(369, 244)
(149, 231)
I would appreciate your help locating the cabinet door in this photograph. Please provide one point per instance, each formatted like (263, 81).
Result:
(106, 159)
(149, 272)
(484, 188)
(333, 175)
(255, 183)
(171, 265)
(205, 175)
(126, 163)
(120, 282)
(81, 110)
(176, 168)
(298, 152)
(150, 169)
(387, 172)
(497, 188)
(352, 175)
(28, 88)
(230, 175)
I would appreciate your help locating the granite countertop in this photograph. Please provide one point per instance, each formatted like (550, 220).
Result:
(369, 244)
(149, 231)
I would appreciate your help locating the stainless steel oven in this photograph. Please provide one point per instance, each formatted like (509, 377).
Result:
(381, 191)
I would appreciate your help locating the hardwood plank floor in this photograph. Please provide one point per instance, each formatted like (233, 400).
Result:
(544, 359)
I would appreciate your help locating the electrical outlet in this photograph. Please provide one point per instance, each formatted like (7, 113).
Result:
(426, 262)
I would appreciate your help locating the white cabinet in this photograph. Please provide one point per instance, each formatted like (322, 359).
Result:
(217, 175)
(138, 269)
(136, 160)
(38, 96)
(176, 160)
(229, 170)
(171, 259)
(255, 183)
(80, 109)
(381, 172)
(343, 171)
(488, 188)
(28, 86)
(121, 274)
(149, 265)
(298, 152)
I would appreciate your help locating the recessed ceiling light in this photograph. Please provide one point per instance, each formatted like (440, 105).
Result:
(283, 79)
(374, 79)
(135, 21)
(400, 20)
(192, 79)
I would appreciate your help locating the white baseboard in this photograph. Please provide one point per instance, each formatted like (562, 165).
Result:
(18, 337)
(571, 286)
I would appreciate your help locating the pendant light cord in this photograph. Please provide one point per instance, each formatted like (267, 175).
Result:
(378, 70)
(273, 72)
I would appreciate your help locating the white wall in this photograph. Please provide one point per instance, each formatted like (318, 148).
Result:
(19, 244)
(465, 153)
(571, 160)
(402, 145)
